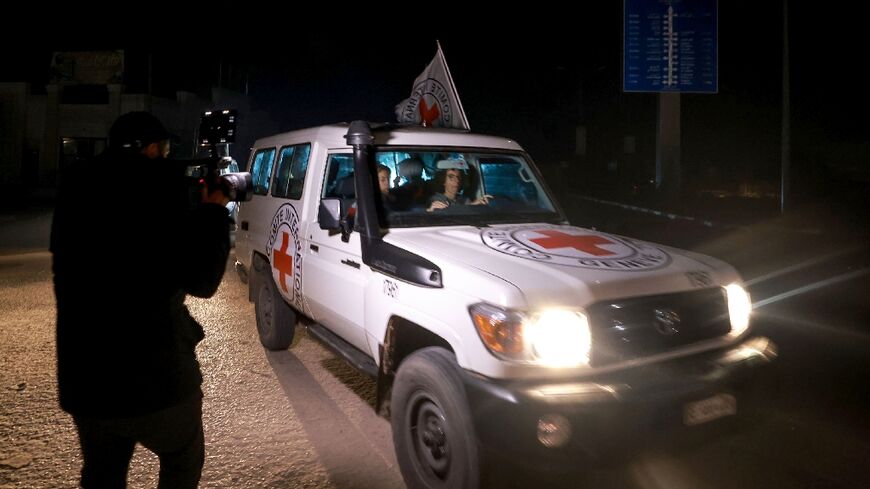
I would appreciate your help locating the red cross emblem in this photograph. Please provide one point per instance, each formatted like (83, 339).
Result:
(283, 261)
(585, 243)
(428, 114)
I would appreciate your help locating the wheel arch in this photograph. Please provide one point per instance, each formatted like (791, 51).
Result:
(402, 338)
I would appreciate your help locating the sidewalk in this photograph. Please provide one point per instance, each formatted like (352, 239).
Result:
(25, 230)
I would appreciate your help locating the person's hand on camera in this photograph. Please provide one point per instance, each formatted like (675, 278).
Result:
(214, 196)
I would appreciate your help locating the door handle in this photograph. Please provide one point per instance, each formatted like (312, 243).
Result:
(314, 248)
(351, 263)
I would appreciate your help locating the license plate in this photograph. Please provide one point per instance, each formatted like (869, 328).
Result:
(705, 410)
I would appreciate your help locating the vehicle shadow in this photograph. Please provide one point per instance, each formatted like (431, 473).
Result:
(347, 452)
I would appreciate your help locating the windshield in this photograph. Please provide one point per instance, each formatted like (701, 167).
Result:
(427, 187)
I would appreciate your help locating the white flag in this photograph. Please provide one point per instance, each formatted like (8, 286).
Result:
(434, 101)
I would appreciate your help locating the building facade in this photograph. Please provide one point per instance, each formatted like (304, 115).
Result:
(42, 133)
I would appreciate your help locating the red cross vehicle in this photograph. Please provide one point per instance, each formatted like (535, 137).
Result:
(490, 324)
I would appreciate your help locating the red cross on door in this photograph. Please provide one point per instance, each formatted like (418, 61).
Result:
(283, 261)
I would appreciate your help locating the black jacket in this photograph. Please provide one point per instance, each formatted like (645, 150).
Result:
(126, 250)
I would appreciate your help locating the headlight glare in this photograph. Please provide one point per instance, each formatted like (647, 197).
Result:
(560, 338)
(739, 308)
(555, 337)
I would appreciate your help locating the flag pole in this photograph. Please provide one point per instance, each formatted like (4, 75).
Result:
(453, 85)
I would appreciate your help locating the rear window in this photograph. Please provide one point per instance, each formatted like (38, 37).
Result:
(261, 170)
(290, 174)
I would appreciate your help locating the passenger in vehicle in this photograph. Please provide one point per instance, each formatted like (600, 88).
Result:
(387, 199)
(450, 183)
(412, 190)
(410, 171)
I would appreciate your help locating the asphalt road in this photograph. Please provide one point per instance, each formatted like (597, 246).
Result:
(301, 418)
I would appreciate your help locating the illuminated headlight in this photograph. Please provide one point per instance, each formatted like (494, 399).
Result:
(560, 338)
(739, 309)
(556, 337)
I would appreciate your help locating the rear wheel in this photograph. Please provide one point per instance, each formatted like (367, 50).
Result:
(432, 426)
(276, 320)
(259, 270)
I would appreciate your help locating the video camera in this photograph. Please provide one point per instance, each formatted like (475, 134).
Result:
(217, 129)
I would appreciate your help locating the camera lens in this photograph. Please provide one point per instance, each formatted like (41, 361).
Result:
(238, 186)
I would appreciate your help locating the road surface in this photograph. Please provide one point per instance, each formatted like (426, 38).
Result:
(301, 418)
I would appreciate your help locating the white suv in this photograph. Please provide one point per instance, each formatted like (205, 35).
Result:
(490, 328)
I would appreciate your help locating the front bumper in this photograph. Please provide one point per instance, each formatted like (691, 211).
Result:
(614, 411)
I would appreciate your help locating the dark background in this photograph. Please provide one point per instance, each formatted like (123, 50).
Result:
(533, 74)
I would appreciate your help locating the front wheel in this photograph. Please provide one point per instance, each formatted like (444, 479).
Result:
(432, 426)
(276, 320)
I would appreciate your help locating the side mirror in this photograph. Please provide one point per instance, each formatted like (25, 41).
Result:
(331, 216)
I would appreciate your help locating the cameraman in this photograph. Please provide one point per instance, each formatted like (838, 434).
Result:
(127, 247)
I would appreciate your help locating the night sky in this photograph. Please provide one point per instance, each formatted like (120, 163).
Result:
(529, 74)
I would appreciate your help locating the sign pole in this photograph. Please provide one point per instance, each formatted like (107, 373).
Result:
(668, 146)
(786, 116)
(670, 47)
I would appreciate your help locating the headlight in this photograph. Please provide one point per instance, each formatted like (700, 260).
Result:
(739, 309)
(555, 337)
(560, 338)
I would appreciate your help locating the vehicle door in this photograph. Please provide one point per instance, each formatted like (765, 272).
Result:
(286, 242)
(255, 215)
(335, 275)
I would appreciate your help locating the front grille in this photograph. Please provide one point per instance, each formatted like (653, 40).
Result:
(625, 329)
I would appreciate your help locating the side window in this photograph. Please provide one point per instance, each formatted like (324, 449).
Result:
(290, 174)
(261, 170)
(339, 177)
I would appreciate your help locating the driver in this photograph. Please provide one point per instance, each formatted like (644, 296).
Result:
(450, 183)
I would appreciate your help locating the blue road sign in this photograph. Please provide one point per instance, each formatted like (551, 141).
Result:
(670, 46)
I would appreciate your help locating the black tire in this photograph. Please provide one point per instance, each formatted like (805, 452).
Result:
(259, 269)
(276, 320)
(432, 426)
